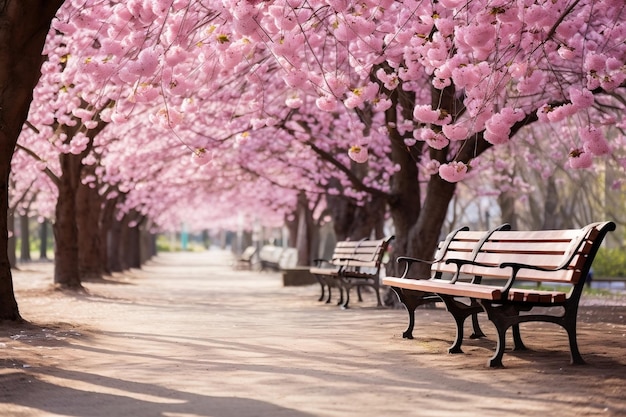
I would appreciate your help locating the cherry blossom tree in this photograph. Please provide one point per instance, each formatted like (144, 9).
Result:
(289, 95)
(23, 29)
(453, 78)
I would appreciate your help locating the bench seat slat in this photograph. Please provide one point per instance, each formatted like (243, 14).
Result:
(324, 271)
(459, 289)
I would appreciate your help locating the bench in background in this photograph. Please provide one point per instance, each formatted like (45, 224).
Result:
(353, 264)
(246, 259)
(326, 271)
(277, 258)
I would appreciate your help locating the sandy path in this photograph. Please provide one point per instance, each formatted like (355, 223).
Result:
(188, 336)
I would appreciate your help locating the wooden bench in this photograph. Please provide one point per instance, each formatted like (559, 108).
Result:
(500, 266)
(353, 264)
(327, 270)
(458, 244)
(269, 257)
(244, 261)
(276, 258)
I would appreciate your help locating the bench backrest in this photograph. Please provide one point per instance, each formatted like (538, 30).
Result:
(369, 253)
(568, 253)
(459, 244)
(344, 250)
(363, 253)
(248, 253)
(270, 253)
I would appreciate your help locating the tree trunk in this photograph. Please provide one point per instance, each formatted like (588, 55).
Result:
(66, 271)
(506, 201)
(405, 193)
(24, 25)
(25, 238)
(426, 233)
(552, 214)
(148, 243)
(43, 240)
(132, 240)
(88, 208)
(12, 244)
(354, 222)
(107, 217)
(114, 241)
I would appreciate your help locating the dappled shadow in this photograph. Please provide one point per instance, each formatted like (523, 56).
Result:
(71, 393)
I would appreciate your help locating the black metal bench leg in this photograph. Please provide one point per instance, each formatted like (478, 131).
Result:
(321, 282)
(460, 312)
(330, 295)
(517, 339)
(345, 287)
(502, 320)
(358, 292)
(379, 302)
(478, 333)
(410, 303)
(496, 359)
(341, 295)
(458, 341)
(576, 357)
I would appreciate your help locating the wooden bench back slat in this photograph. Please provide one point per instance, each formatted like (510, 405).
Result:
(360, 254)
(565, 250)
(457, 245)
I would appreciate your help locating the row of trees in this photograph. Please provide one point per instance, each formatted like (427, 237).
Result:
(150, 112)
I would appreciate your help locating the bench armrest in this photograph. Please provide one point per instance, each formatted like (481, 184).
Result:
(408, 261)
(460, 263)
(319, 262)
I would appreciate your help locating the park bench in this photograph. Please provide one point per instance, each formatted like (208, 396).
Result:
(506, 268)
(269, 257)
(326, 271)
(276, 258)
(245, 260)
(458, 244)
(352, 264)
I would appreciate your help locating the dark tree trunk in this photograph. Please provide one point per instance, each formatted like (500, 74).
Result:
(67, 258)
(66, 271)
(506, 201)
(426, 232)
(114, 243)
(88, 208)
(25, 239)
(132, 240)
(552, 214)
(148, 243)
(43, 240)
(24, 25)
(405, 193)
(12, 244)
(354, 222)
(107, 217)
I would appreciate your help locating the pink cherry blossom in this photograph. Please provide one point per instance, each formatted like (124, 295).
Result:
(579, 159)
(424, 113)
(200, 157)
(435, 140)
(455, 131)
(431, 166)
(358, 153)
(326, 103)
(453, 171)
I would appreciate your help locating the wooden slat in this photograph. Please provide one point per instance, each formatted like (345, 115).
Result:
(536, 235)
(459, 289)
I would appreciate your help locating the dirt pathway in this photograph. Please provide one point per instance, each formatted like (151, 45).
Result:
(187, 336)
